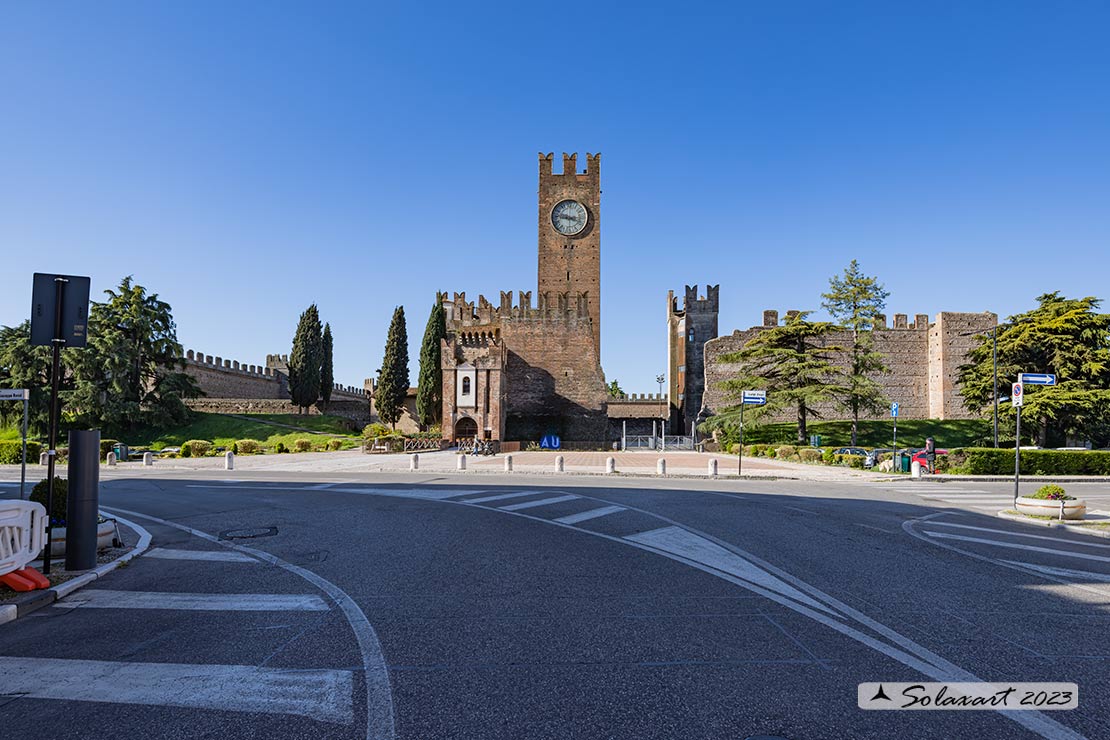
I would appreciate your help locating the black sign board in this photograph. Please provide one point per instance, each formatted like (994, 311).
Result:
(74, 311)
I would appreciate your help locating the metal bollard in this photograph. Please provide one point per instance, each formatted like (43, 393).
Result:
(610, 465)
(660, 467)
(460, 462)
(229, 460)
(558, 463)
(82, 499)
(414, 461)
(148, 459)
(713, 467)
(508, 463)
(111, 460)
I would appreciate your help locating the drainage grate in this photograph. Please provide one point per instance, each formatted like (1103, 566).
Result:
(248, 533)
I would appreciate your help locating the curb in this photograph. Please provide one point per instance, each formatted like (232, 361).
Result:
(1089, 531)
(35, 600)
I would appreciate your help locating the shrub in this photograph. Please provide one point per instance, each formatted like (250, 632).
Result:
(785, 452)
(375, 430)
(234, 448)
(302, 445)
(828, 457)
(855, 461)
(61, 498)
(809, 455)
(245, 447)
(769, 451)
(279, 448)
(334, 444)
(106, 446)
(11, 452)
(1052, 492)
(734, 448)
(195, 448)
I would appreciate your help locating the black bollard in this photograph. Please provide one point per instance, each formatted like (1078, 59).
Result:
(82, 509)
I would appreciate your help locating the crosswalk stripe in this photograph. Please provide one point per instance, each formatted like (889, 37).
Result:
(95, 598)
(498, 497)
(1066, 572)
(583, 516)
(324, 695)
(953, 525)
(226, 556)
(1016, 546)
(541, 502)
(970, 499)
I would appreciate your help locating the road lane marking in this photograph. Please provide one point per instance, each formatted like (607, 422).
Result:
(324, 695)
(1065, 572)
(541, 502)
(380, 723)
(1016, 546)
(1020, 534)
(584, 516)
(804, 511)
(499, 497)
(167, 553)
(99, 598)
(877, 529)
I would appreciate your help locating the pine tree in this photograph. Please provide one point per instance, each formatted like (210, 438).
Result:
(855, 301)
(615, 390)
(306, 359)
(327, 367)
(393, 379)
(429, 392)
(793, 364)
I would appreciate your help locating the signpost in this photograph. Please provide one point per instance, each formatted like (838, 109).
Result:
(24, 395)
(1017, 397)
(59, 318)
(747, 398)
(894, 447)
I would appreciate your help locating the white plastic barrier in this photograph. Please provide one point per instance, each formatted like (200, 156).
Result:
(22, 534)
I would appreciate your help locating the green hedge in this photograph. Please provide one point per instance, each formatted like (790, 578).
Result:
(990, 461)
(106, 446)
(11, 452)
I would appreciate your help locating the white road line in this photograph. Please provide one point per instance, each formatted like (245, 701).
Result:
(971, 501)
(498, 497)
(922, 489)
(324, 695)
(541, 502)
(583, 516)
(106, 599)
(1065, 572)
(167, 553)
(1019, 534)
(1015, 546)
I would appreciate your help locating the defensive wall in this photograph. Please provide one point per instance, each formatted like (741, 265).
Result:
(923, 357)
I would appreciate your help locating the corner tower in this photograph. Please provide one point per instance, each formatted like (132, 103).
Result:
(688, 329)
(570, 233)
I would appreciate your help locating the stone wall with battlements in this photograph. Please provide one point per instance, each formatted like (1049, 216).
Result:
(923, 358)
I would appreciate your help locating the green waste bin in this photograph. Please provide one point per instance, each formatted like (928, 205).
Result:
(122, 452)
(906, 457)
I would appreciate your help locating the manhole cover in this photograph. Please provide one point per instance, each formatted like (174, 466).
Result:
(248, 533)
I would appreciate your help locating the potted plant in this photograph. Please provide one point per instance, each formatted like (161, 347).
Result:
(105, 528)
(1053, 501)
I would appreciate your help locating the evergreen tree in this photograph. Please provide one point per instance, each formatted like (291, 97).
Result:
(615, 390)
(855, 301)
(25, 366)
(793, 364)
(393, 379)
(130, 372)
(1067, 337)
(306, 360)
(429, 392)
(327, 367)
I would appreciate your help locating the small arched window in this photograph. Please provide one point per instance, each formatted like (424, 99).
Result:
(466, 386)
(691, 335)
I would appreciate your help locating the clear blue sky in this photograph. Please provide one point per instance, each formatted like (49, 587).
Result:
(246, 159)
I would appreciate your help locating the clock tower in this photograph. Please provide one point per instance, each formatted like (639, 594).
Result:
(570, 233)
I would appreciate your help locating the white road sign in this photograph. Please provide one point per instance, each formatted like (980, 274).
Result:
(1017, 395)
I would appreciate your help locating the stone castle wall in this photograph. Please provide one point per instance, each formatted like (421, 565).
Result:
(923, 358)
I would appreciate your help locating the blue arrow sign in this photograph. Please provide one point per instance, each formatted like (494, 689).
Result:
(894, 409)
(1037, 379)
(753, 398)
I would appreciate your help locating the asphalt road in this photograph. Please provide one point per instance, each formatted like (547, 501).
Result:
(343, 606)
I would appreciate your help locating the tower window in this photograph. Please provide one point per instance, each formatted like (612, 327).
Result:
(466, 387)
(690, 336)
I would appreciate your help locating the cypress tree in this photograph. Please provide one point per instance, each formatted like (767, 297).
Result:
(327, 369)
(393, 379)
(429, 394)
(306, 359)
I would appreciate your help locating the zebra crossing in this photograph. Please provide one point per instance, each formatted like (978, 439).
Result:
(996, 499)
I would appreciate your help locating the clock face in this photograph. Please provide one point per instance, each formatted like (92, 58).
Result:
(569, 217)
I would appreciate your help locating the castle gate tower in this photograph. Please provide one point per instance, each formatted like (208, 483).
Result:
(570, 233)
(688, 329)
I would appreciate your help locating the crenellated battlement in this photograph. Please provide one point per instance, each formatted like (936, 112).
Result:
(693, 303)
(276, 366)
(550, 307)
(570, 165)
(901, 321)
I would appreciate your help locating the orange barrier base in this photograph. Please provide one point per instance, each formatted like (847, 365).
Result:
(27, 579)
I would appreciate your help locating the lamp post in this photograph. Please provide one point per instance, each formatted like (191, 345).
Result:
(662, 423)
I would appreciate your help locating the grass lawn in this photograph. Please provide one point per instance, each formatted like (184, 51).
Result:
(911, 432)
(223, 430)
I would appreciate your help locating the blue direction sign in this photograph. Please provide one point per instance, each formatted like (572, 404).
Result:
(1037, 379)
(894, 409)
(754, 398)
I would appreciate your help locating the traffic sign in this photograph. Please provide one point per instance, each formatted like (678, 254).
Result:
(1017, 394)
(894, 409)
(51, 321)
(14, 394)
(753, 398)
(1037, 378)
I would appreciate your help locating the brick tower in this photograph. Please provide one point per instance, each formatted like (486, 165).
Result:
(688, 329)
(570, 233)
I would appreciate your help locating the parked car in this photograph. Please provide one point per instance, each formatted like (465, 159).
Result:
(868, 458)
(919, 456)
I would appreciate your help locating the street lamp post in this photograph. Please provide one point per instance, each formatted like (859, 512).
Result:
(662, 423)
